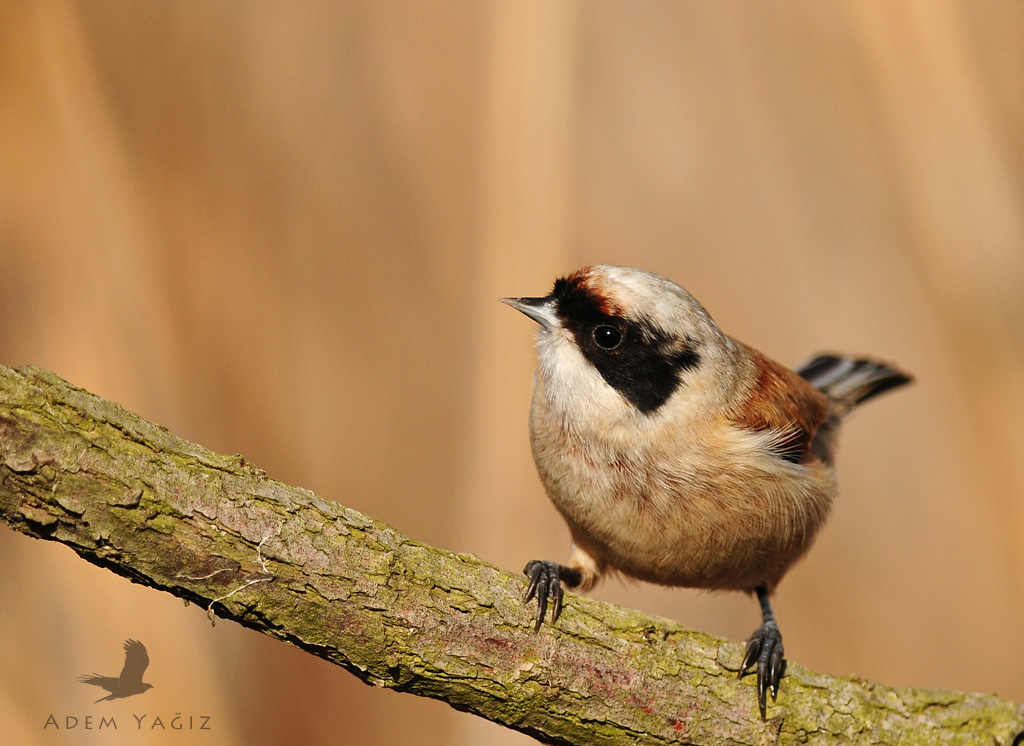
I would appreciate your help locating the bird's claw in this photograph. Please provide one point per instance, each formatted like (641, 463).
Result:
(765, 649)
(545, 584)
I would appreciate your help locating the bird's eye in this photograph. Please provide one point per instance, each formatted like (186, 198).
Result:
(607, 337)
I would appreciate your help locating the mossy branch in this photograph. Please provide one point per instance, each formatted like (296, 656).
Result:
(129, 496)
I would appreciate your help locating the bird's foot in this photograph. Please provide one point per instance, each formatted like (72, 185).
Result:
(546, 583)
(765, 649)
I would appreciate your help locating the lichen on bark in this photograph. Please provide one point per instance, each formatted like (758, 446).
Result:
(130, 496)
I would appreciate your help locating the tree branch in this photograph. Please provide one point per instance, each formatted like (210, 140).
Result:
(129, 496)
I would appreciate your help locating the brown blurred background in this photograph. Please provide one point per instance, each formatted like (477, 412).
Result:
(281, 230)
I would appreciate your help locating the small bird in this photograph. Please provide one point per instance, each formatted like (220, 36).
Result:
(677, 454)
(130, 682)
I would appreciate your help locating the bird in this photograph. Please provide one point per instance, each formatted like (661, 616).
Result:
(130, 682)
(677, 454)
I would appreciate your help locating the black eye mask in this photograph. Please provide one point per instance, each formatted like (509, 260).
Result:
(635, 357)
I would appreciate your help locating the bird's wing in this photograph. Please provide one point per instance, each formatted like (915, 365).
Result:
(785, 405)
(105, 682)
(136, 660)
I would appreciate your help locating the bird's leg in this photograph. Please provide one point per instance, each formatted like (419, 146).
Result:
(765, 648)
(546, 580)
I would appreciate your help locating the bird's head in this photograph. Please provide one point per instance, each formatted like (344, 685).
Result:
(615, 338)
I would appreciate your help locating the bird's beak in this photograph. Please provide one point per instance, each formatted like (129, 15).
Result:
(541, 310)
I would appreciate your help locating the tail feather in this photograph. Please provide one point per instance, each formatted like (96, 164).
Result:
(850, 381)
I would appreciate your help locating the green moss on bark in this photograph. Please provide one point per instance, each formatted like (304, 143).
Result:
(130, 496)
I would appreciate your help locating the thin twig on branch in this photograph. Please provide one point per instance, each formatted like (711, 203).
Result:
(129, 496)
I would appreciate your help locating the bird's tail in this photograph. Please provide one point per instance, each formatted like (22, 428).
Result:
(849, 381)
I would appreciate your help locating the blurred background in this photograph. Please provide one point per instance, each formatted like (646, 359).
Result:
(281, 230)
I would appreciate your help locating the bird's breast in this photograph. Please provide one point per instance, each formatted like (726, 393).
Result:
(695, 503)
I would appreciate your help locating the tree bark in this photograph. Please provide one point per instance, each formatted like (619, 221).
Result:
(130, 496)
